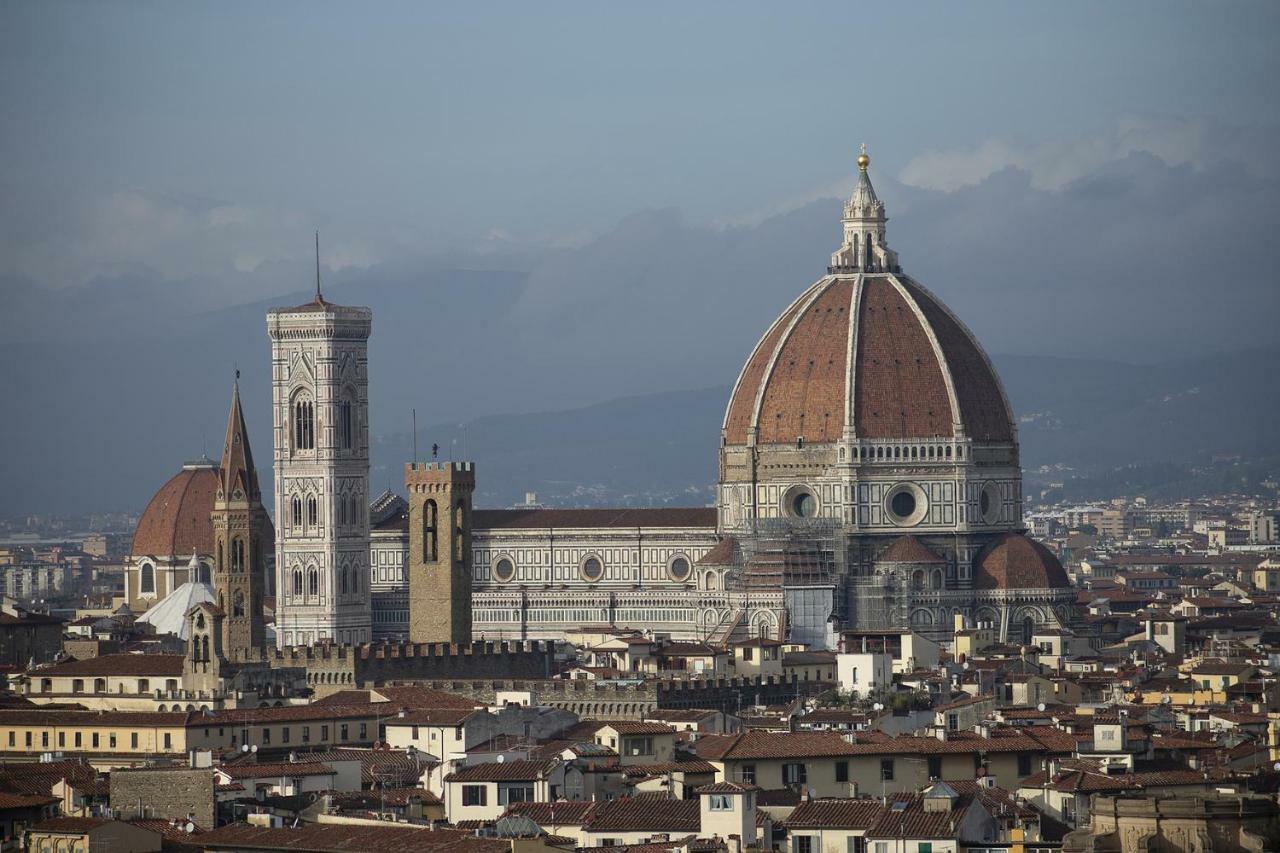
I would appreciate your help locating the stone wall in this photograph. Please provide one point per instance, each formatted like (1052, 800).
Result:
(1178, 824)
(165, 792)
(592, 700)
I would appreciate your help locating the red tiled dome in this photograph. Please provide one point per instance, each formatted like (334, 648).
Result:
(1015, 561)
(917, 372)
(177, 521)
(909, 549)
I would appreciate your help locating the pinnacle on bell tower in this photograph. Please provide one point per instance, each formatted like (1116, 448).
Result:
(864, 248)
(242, 540)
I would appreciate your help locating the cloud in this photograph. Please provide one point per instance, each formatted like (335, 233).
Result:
(1053, 165)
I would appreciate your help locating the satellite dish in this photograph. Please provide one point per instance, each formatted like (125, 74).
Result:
(1040, 707)
(244, 747)
(877, 707)
(254, 748)
(965, 666)
(501, 758)
(189, 827)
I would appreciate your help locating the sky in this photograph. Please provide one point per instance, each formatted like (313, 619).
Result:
(582, 201)
(430, 127)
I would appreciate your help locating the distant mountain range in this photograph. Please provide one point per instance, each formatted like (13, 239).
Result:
(1079, 419)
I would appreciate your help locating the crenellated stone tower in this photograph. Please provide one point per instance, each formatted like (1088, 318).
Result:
(242, 540)
(440, 551)
(320, 418)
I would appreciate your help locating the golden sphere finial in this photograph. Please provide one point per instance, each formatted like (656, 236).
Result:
(863, 160)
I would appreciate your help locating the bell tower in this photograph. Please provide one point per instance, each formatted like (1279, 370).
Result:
(242, 537)
(320, 398)
(440, 551)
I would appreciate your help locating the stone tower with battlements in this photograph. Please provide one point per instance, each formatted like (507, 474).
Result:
(439, 559)
(320, 419)
(242, 540)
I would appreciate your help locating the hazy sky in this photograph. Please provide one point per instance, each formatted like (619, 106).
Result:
(436, 126)
(570, 203)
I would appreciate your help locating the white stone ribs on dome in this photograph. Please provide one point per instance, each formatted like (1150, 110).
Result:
(815, 290)
(850, 362)
(981, 351)
(957, 422)
(751, 357)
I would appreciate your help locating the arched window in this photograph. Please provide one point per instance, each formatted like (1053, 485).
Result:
(429, 532)
(147, 578)
(313, 583)
(204, 648)
(342, 510)
(237, 604)
(304, 425)
(297, 511)
(344, 580)
(297, 581)
(312, 515)
(237, 555)
(345, 430)
(458, 540)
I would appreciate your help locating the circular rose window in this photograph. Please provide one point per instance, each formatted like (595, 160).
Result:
(906, 504)
(680, 569)
(592, 569)
(504, 570)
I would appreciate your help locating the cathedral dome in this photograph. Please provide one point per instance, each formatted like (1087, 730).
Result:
(867, 352)
(909, 549)
(1015, 561)
(177, 519)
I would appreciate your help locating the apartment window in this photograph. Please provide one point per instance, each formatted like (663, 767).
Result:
(935, 767)
(637, 746)
(62, 739)
(77, 685)
(13, 738)
(721, 803)
(306, 734)
(93, 740)
(749, 773)
(144, 685)
(804, 844)
(953, 722)
(925, 847)
(856, 844)
(29, 740)
(474, 795)
(364, 731)
(842, 771)
(747, 653)
(1024, 765)
(886, 769)
(415, 732)
(168, 741)
(324, 733)
(284, 735)
(44, 740)
(133, 740)
(883, 846)
(794, 774)
(111, 740)
(78, 741)
(343, 731)
(519, 793)
(266, 735)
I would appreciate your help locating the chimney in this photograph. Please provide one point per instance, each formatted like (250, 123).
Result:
(940, 732)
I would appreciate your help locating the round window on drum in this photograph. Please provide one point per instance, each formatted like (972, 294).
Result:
(592, 569)
(504, 570)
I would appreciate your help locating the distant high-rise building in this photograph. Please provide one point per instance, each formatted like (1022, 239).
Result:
(320, 419)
